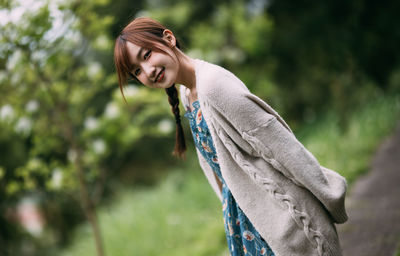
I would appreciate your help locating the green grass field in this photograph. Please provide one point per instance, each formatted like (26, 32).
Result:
(182, 216)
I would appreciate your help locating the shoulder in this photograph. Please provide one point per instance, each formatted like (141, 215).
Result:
(215, 81)
(222, 93)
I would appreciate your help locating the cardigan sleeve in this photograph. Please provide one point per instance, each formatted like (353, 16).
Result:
(236, 109)
(276, 145)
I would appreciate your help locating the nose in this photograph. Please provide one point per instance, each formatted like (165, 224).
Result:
(149, 70)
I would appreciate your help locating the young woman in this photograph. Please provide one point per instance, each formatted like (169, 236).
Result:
(276, 198)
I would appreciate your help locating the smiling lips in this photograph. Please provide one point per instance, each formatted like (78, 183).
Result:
(160, 76)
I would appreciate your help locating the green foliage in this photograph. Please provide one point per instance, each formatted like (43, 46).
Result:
(176, 14)
(324, 52)
(61, 110)
(181, 215)
(45, 105)
(349, 152)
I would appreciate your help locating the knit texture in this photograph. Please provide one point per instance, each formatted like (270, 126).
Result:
(289, 197)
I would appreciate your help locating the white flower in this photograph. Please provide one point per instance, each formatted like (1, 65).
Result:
(56, 178)
(102, 42)
(165, 126)
(130, 91)
(30, 216)
(11, 16)
(99, 146)
(23, 125)
(6, 112)
(94, 69)
(91, 123)
(4, 19)
(14, 60)
(248, 235)
(72, 155)
(112, 110)
(61, 23)
(32, 106)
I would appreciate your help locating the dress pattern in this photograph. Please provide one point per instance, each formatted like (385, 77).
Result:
(243, 239)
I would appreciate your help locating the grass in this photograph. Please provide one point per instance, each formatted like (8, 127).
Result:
(182, 216)
(397, 253)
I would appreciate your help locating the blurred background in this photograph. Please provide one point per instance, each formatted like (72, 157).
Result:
(83, 173)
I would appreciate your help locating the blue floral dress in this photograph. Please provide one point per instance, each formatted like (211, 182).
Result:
(243, 239)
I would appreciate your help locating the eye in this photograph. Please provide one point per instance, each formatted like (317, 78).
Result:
(147, 54)
(136, 72)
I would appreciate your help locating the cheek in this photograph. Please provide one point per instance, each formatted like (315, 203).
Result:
(143, 79)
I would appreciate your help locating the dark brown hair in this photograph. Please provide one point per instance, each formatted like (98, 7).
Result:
(146, 32)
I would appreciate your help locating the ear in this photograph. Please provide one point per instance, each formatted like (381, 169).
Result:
(169, 37)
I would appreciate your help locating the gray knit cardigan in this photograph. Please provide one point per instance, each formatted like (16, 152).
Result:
(291, 199)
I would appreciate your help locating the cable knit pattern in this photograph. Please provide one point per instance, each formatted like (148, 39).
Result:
(301, 218)
(266, 153)
(289, 197)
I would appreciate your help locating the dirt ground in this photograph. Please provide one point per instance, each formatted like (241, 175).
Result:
(373, 205)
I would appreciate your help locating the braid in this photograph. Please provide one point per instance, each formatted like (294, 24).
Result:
(180, 145)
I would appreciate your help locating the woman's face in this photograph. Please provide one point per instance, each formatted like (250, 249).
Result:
(154, 69)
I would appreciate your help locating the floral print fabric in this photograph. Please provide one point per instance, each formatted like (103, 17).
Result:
(243, 239)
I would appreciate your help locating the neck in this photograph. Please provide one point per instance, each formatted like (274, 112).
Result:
(186, 73)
